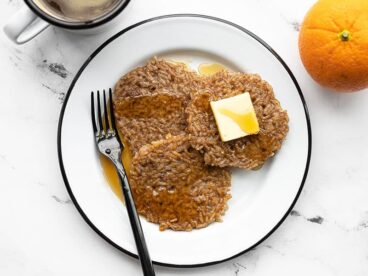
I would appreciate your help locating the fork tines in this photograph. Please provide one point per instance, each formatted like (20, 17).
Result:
(105, 123)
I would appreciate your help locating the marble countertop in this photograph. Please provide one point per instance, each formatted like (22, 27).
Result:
(41, 232)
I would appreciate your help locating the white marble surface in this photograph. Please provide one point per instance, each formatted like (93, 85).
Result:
(41, 232)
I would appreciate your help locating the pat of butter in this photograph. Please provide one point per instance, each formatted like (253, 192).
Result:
(235, 117)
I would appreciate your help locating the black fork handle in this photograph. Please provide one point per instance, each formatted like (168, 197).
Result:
(143, 254)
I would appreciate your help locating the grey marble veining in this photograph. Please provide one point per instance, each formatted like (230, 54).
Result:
(41, 233)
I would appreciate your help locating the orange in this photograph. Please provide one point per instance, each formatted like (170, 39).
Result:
(333, 44)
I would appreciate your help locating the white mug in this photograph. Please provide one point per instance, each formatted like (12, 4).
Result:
(31, 20)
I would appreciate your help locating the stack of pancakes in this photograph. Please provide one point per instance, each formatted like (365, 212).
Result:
(180, 174)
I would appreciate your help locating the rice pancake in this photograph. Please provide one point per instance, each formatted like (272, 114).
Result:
(249, 152)
(172, 186)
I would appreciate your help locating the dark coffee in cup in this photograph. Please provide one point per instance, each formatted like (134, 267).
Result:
(76, 10)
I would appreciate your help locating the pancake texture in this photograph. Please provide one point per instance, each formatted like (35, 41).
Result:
(144, 119)
(173, 78)
(172, 186)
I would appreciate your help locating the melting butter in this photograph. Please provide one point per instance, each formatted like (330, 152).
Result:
(235, 117)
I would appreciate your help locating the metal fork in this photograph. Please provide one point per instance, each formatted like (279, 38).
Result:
(109, 144)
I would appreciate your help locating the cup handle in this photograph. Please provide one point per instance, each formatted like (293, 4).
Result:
(24, 25)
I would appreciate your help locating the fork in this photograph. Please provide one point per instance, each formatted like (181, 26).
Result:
(110, 145)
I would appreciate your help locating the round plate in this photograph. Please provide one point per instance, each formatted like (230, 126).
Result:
(261, 200)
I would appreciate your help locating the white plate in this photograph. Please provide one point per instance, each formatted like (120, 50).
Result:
(261, 199)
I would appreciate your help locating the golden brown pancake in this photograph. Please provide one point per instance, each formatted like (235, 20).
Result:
(150, 101)
(172, 186)
(248, 152)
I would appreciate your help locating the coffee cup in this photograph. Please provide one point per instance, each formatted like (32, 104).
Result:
(83, 16)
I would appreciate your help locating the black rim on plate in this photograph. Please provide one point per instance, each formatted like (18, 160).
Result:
(264, 44)
(78, 25)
